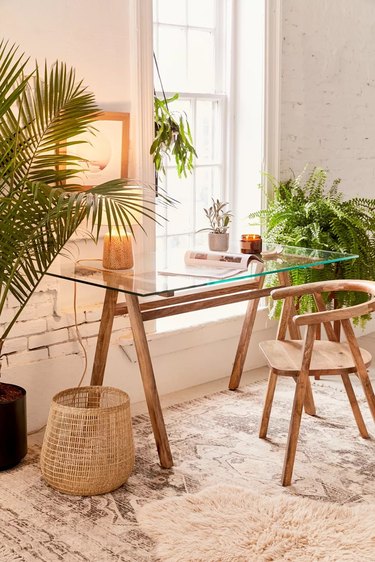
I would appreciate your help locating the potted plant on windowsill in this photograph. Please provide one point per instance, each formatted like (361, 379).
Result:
(305, 212)
(41, 203)
(219, 219)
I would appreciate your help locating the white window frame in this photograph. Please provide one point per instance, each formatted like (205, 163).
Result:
(220, 163)
(221, 85)
(272, 100)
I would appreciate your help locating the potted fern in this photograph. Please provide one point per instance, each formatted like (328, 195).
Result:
(41, 203)
(304, 211)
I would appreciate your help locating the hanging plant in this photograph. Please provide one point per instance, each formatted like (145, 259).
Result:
(172, 135)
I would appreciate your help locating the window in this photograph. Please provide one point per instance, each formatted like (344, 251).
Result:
(190, 47)
(212, 53)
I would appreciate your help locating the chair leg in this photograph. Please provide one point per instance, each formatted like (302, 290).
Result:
(299, 399)
(361, 367)
(309, 400)
(367, 389)
(272, 379)
(355, 407)
(295, 422)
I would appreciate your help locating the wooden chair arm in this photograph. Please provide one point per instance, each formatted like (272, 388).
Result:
(333, 315)
(328, 287)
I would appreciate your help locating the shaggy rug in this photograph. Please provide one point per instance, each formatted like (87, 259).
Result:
(214, 440)
(232, 524)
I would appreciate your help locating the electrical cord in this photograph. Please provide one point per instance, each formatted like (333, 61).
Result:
(81, 344)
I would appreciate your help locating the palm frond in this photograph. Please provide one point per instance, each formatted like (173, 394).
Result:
(41, 203)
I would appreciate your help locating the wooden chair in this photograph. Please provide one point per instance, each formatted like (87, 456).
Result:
(301, 358)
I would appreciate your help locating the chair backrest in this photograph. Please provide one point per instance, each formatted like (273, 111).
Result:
(324, 316)
(332, 320)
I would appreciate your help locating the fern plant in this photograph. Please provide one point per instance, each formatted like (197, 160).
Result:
(306, 212)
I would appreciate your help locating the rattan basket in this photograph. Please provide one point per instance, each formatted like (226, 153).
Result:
(88, 445)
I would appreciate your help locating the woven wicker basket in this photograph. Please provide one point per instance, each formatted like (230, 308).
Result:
(88, 445)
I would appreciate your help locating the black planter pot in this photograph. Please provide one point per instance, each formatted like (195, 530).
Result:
(13, 432)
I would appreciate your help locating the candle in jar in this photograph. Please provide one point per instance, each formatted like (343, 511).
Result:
(251, 244)
(117, 250)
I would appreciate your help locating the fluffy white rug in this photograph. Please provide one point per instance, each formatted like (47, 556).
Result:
(232, 524)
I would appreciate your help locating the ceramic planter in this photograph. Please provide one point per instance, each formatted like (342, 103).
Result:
(218, 242)
(13, 433)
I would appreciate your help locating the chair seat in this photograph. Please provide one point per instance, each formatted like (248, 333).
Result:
(328, 357)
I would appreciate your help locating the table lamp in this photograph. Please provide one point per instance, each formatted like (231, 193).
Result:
(118, 242)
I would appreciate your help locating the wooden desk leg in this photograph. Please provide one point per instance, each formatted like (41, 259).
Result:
(295, 334)
(148, 380)
(243, 344)
(104, 337)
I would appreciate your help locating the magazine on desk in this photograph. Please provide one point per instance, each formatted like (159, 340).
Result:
(214, 265)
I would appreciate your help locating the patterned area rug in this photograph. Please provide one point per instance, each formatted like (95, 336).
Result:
(214, 441)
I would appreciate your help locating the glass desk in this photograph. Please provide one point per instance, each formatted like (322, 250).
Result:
(176, 294)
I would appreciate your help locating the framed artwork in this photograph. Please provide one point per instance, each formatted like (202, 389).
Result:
(106, 150)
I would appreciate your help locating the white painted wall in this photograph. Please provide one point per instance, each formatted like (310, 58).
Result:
(90, 35)
(328, 90)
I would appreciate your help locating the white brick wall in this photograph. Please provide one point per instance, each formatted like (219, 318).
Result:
(328, 90)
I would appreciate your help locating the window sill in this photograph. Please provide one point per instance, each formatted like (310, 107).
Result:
(193, 336)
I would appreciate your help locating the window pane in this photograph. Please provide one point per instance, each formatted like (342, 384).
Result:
(208, 131)
(201, 61)
(172, 11)
(176, 247)
(201, 13)
(181, 106)
(208, 185)
(180, 218)
(172, 58)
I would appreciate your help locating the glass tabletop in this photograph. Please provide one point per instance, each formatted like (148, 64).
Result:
(145, 280)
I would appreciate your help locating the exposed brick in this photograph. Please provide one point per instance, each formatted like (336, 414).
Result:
(28, 357)
(29, 328)
(93, 315)
(12, 302)
(40, 297)
(64, 321)
(14, 344)
(48, 338)
(86, 330)
(33, 311)
(67, 348)
(48, 284)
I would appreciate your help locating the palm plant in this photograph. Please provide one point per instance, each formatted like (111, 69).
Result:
(41, 204)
